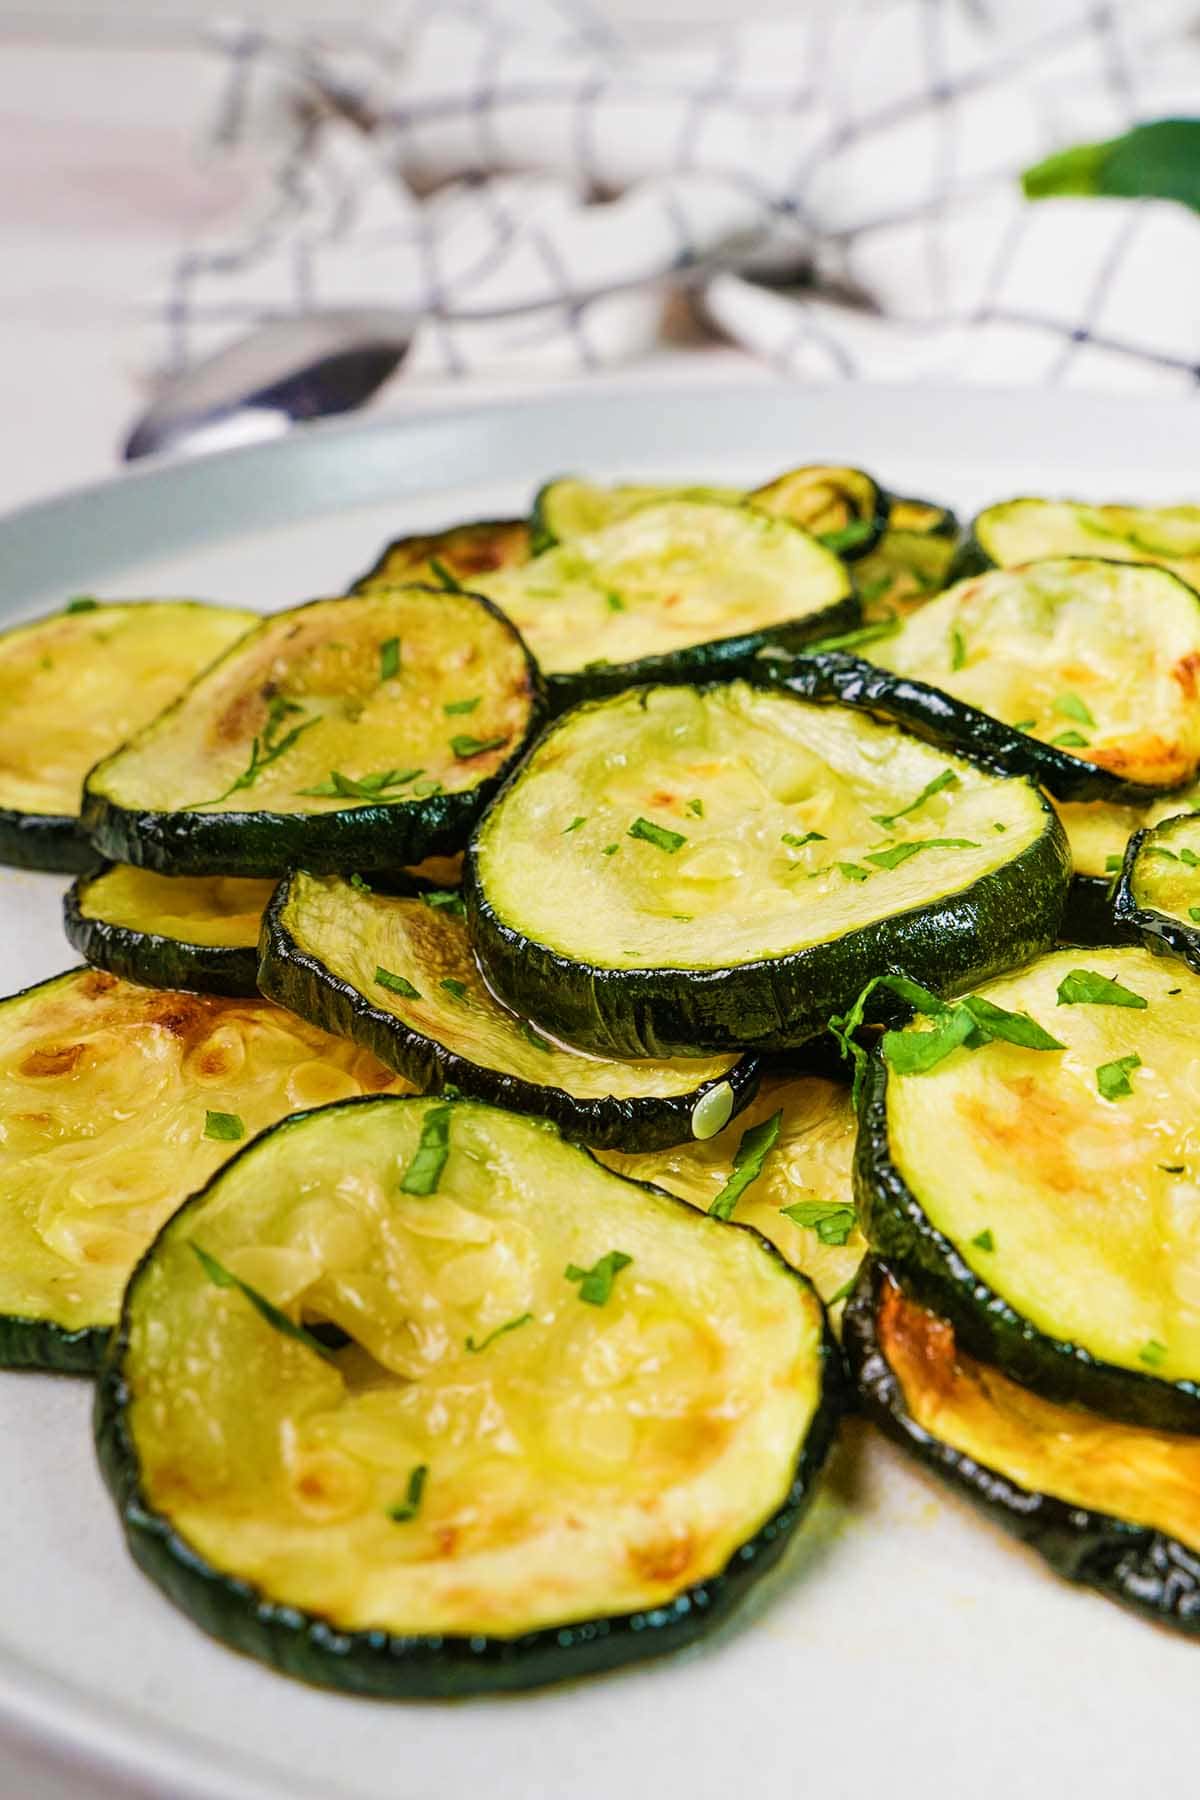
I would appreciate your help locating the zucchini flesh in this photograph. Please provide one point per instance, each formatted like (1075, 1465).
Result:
(1158, 894)
(1030, 529)
(397, 975)
(567, 508)
(923, 518)
(1091, 665)
(75, 685)
(901, 573)
(727, 833)
(462, 551)
(365, 732)
(808, 1167)
(602, 1480)
(1109, 1505)
(175, 931)
(669, 591)
(1044, 1200)
(105, 1097)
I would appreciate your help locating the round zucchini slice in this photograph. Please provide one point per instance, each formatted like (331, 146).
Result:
(362, 733)
(397, 975)
(845, 509)
(462, 552)
(568, 508)
(1039, 1191)
(1108, 1505)
(115, 1103)
(172, 931)
(682, 869)
(671, 592)
(801, 1196)
(73, 687)
(570, 1422)
(1158, 893)
(1099, 832)
(1080, 673)
(1031, 529)
(923, 518)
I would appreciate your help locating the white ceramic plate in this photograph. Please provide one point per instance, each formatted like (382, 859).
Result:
(907, 1648)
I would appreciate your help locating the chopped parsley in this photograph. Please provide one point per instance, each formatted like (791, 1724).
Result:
(533, 1037)
(697, 807)
(946, 779)
(500, 1331)
(853, 871)
(748, 1160)
(1189, 857)
(266, 1309)
(850, 640)
(1070, 740)
(1112, 1078)
(427, 789)
(972, 1021)
(899, 853)
(610, 849)
(658, 835)
(446, 577)
(958, 649)
(797, 843)
(362, 787)
(455, 987)
(464, 745)
(848, 536)
(268, 746)
(396, 984)
(1153, 1354)
(984, 1240)
(410, 1506)
(997, 826)
(227, 1128)
(1083, 987)
(576, 822)
(82, 603)
(596, 1283)
(446, 900)
(357, 882)
(614, 601)
(1113, 864)
(1070, 706)
(832, 1223)
(1024, 724)
(453, 707)
(914, 1052)
(1194, 914)
(389, 659)
(425, 1170)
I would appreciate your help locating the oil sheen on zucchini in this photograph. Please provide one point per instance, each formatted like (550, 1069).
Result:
(1158, 894)
(360, 733)
(681, 869)
(1111, 1506)
(1045, 1200)
(174, 931)
(396, 974)
(807, 1169)
(670, 592)
(75, 685)
(115, 1103)
(570, 1421)
(1030, 529)
(1082, 673)
(462, 551)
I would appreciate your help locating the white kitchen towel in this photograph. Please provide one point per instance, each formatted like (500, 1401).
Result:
(840, 193)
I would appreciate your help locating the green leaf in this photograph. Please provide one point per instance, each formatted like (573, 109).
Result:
(455, 987)
(82, 603)
(984, 1240)
(1194, 914)
(446, 900)
(914, 1052)
(226, 1127)
(576, 822)
(946, 779)
(267, 748)
(1153, 1354)
(958, 649)
(464, 745)
(842, 1026)
(596, 1283)
(797, 843)
(500, 1331)
(610, 849)
(1112, 1078)
(1083, 987)
(853, 871)
(397, 984)
(410, 1506)
(266, 1309)
(832, 1223)
(848, 536)
(425, 1170)
(1024, 724)
(899, 853)
(748, 1160)
(1070, 740)
(1159, 160)
(614, 602)
(1189, 857)
(363, 887)
(844, 1292)
(533, 1037)
(448, 580)
(697, 807)
(1014, 1028)
(1070, 706)
(389, 659)
(851, 640)
(454, 707)
(658, 835)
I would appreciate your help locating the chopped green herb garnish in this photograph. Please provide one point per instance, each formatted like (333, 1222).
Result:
(614, 602)
(844, 1291)
(697, 807)
(658, 835)
(267, 747)
(396, 984)
(1172, 1168)
(1024, 724)
(914, 1052)
(797, 843)
(1112, 1078)
(848, 536)
(1194, 914)
(454, 707)
(410, 1506)
(464, 745)
(842, 1026)
(446, 900)
(850, 640)
(984, 1241)
(500, 1331)
(869, 591)
(533, 1037)
(748, 1160)
(1160, 850)
(266, 1309)
(362, 787)
(1070, 706)
(1112, 864)
(899, 853)
(363, 887)
(997, 826)
(454, 986)
(82, 603)
(596, 1283)
(1153, 1354)
(447, 579)
(610, 849)
(853, 871)
(1083, 987)
(389, 659)
(1012, 1027)
(832, 1223)
(1070, 740)
(958, 649)
(425, 1170)
(946, 779)
(425, 790)
(576, 822)
(226, 1127)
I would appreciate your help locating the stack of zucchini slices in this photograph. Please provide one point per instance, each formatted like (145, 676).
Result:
(449, 1157)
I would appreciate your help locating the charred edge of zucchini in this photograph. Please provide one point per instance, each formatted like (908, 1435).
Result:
(951, 724)
(151, 959)
(53, 842)
(299, 981)
(382, 1665)
(50, 1349)
(1143, 1569)
(1157, 931)
(417, 548)
(929, 1267)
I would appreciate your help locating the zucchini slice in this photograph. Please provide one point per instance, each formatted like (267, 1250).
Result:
(1158, 893)
(912, 560)
(808, 1169)
(681, 869)
(1044, 1200)
(923, 518)
(115, 1102)
(463, 551)
(568, 508)
(1099, 833)
(669, 593)
(397, 975)
(361, 733)
(1081, 673)
(172, 931)
(1107, 1505)
(1031, 529)
(75, 685)
(489, 1485)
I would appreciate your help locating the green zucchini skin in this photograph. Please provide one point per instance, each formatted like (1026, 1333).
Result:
(1142, 1569)
(382, 1666)
(298, 981)
(1157, 931)
(53, 842)
(1088, 917)
(951, 725)
(152, 960)
(928, 1266)
(47, 1348)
